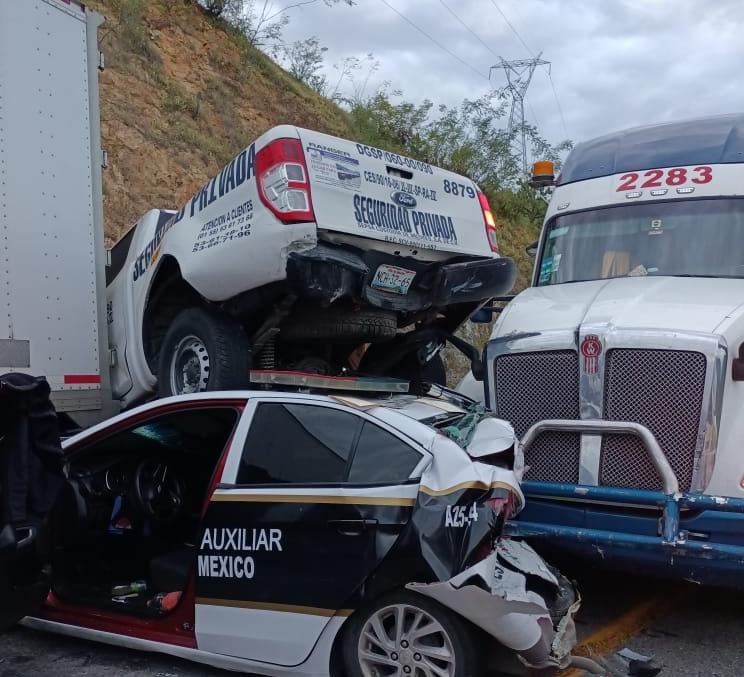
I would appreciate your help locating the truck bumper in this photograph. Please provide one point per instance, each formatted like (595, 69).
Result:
(689, 536)
(624, 529)
(329, 273)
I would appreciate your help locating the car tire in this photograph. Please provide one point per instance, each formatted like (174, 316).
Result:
(203, 350)
(451, 638)
(370, 325)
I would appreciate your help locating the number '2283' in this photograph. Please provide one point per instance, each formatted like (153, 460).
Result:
(656, 178)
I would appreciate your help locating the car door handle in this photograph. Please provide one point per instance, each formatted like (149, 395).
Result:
(352, 527)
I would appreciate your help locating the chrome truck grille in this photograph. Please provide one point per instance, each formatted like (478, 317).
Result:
(663, 390)
(531, 387)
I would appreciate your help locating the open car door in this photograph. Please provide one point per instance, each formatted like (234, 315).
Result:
(31, 475)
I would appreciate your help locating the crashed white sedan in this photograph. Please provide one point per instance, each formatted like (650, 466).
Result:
(275, 532)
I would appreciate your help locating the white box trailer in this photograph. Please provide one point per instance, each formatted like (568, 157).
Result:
(52, 256)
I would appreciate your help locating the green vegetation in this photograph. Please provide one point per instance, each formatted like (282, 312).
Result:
(132, 29)
(178, 100)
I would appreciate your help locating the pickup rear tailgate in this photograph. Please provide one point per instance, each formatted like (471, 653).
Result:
(372, 193)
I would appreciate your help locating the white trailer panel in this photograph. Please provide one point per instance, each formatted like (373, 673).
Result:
(52, 321)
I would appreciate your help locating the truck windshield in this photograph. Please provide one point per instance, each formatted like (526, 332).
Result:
(691, 238)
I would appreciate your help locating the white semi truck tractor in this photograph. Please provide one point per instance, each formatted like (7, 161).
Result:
(622, 365)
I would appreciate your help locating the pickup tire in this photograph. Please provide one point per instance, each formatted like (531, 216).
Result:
(203, 350)
(348, 325)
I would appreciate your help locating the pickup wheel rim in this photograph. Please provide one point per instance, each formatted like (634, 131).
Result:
(402, 640)
(189, 366)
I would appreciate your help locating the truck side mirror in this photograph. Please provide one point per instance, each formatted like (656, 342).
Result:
(531, 249)
(737, 365)
(482, 316)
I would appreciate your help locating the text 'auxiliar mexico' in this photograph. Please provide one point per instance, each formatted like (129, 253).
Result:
(233, 541)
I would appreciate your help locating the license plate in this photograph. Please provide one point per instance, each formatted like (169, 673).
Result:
(394, 279)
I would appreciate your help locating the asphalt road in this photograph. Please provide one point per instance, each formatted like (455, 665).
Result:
(26, 652)
(700, 636)
(691, 631)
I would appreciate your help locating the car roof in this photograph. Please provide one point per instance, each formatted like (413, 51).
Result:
(420, 408)
(424, 409)
(710, 140)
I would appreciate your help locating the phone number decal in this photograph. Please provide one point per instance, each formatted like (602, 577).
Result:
(232, 225)
(393, 158)
(397, 184)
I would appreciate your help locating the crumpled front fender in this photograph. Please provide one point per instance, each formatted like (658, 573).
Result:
(494, 596)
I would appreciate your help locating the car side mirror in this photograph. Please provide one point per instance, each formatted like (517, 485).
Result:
(531, 249)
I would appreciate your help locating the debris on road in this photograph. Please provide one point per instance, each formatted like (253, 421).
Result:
(640, 665)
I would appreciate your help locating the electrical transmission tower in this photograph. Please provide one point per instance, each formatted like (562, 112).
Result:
(518, 77)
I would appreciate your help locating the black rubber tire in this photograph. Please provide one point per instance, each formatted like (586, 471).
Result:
(226, 344)
(468, 656)
(370, 325)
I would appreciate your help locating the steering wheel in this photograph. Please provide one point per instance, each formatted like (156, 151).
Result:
(158, 490)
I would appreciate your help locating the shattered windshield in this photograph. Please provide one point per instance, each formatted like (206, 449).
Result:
(691, 238)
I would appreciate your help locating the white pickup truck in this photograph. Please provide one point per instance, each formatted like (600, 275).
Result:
(305, 253)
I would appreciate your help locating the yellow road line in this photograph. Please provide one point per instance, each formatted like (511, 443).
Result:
(609, 637)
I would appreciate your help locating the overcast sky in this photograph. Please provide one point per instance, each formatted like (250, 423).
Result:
(615, 63)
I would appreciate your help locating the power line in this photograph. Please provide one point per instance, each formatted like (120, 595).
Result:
(532, 54)
(558, 101)
(532, 110)
(514, 30)
(436, 42)
(470, 30)
(488, 47)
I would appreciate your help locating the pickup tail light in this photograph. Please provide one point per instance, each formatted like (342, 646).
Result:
(283, 181)
(489, 222)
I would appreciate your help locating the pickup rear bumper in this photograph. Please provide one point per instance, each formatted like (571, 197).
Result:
(328, 274)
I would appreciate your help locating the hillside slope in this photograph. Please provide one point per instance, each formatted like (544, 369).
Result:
(180, 96)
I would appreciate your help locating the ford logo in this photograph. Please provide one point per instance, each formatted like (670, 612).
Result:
(403, 199)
